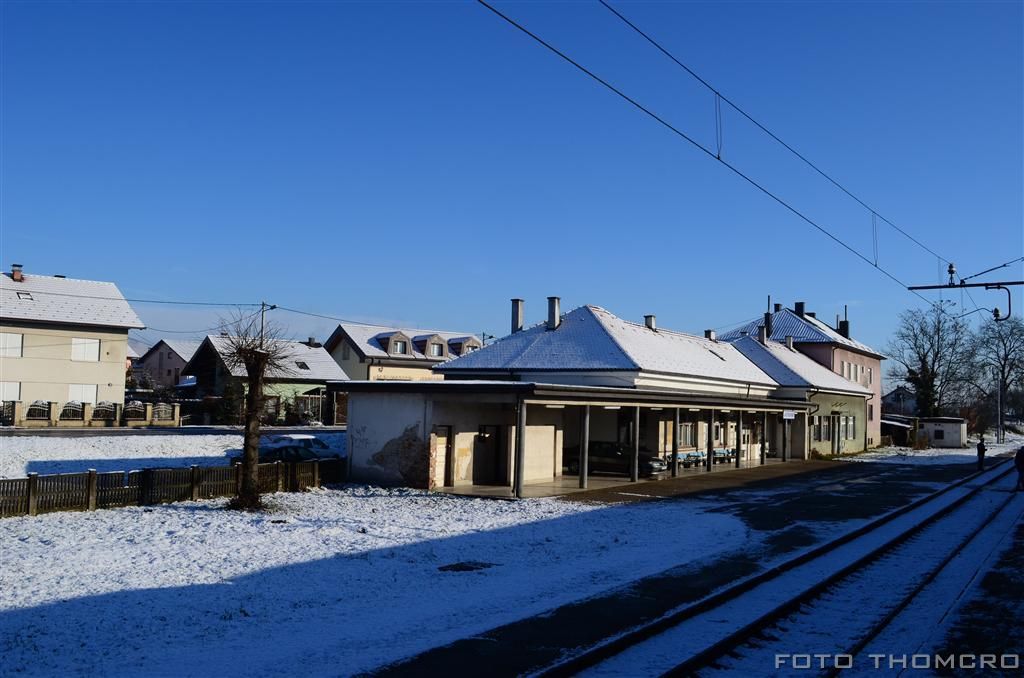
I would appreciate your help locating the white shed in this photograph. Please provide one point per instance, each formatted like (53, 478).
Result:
(943, 431)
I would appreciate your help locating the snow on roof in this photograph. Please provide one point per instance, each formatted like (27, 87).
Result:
(131, 352)
(367, 340)
(787, 323)
(792, 368)
(45, 298)
(591, 338)
(185, 348)
(319, 365)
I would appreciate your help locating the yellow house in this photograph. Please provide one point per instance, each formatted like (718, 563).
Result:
(62, 340)
(378, 353)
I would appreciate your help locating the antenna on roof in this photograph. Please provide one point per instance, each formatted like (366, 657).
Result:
(769, 303)
(845, 317)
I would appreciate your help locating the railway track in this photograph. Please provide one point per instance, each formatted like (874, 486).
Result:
(803, 605)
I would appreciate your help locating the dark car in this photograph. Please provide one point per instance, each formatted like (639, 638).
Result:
(296, 453)
(607, 457)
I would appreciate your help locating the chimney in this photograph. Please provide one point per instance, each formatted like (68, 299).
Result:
(710, 334)
(313, 343)
(778, 307)
(844, 328)
(812, 314)
(554, 313)
(789, 342)
(767, 324)
(650, 322)
(517, 315)
(798, 308)
(762, 335)
(16, 275)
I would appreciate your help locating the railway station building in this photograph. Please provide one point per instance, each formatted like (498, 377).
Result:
(585, 396)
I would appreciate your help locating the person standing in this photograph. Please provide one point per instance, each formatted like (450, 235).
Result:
(981, 453)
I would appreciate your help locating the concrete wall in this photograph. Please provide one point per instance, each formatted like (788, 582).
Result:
(544, 440)
(389, 439)
(475, 459)
(46, 369)
(833, 358)
(846, 406)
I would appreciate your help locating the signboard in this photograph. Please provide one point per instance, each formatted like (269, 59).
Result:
(789, 414)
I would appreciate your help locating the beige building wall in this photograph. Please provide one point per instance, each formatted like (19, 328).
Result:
(833, 358)
(45, 370)
(362, 370)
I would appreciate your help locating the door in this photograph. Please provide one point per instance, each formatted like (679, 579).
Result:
(443, 435)
(487, 457)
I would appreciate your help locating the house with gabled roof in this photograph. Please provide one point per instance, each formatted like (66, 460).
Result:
(162, 364)
(535, 408)
(62, 340)
(379, 353)
(832, 347)
(296, 389)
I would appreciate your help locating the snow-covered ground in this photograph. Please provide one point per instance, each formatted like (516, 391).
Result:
(332, 581)
(71, 454)
(940, 455)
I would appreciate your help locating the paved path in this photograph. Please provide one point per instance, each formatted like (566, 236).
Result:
(783, 501)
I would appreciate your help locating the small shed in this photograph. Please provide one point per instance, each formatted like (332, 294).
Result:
(943, 431)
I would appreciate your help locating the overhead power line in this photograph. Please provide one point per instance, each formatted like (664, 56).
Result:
(28, 288)
(698, 145)
(721, 97)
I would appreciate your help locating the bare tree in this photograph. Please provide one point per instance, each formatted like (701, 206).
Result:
(931, 351)
(998, 352)
(259, 348)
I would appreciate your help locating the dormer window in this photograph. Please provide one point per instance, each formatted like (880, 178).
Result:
(301, 365)
(27, 296)
(398, 347)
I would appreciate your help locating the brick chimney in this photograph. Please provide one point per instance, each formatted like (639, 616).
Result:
(778, 307)
(651, 322)
(844, 328)
(710, 334)
(762, 335)
(789, 342)
(517, 315)
(16, 275)
(554, 313)
(799, 308)
(767, 324)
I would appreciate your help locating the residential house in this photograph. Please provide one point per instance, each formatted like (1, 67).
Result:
(831, 347)
(162, 365)
(61, 340)
(378, 353)
(519, 410)
(293, 392)
(901, 400)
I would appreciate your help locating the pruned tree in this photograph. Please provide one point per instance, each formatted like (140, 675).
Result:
(931, 352)
(259, 348)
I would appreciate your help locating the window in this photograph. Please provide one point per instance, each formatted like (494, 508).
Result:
(10, 345)
(437, 350)
(27, 296)
(10, 390)
(939, 434)
(853, 428)
(870, 376)
(398, 347)
(816, 427)
(87, 350)
(83, 393)
(346, 352)
(687, 435)
(826, 428)
(168, 373)
(871, 411)
(301, 365)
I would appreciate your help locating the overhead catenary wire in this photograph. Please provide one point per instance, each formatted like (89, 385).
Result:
(721, 97)
(700, 146)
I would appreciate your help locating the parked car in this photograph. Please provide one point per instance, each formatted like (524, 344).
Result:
(305, 440)
(296, 453)
(608, 457)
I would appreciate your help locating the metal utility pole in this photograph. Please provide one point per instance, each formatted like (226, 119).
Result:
(999, 407)
(963, 284)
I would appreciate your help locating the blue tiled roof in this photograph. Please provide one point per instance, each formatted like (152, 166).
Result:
(786, 323)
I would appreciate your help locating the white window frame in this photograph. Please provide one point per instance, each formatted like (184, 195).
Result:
(83, 393)
(436, 350)
(81, 349)
(396, 344)
(10, 390)
(12, 345)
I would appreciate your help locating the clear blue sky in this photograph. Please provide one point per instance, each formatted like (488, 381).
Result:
(424, 162)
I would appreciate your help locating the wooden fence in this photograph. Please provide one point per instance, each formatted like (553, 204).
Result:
(91, 490)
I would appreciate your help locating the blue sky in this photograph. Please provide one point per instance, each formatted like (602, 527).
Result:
(422, 163)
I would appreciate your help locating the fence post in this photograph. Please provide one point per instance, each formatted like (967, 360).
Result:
(90, 485)
(316, 473)
(146, 496)
(277, 475)
(33, 494)
(238, 478)
(195, 482)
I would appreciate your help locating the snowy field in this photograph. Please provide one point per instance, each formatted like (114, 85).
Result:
(329, 582)
(940, 455)
(20, 455)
